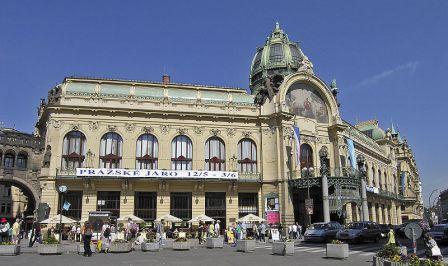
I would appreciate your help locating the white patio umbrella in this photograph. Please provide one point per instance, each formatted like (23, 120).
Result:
(56, 219)
(250, 218)
(201, 217)
(169, 218)
(133, 217)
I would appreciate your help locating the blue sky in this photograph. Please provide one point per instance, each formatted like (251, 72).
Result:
(389, 57)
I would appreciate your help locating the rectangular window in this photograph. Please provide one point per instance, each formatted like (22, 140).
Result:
(109, 201)
(215, 206)
(247, 203)
(145, 205)
(180, 205)
(75, 200)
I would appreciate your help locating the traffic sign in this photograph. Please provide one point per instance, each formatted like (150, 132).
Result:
(417, 231)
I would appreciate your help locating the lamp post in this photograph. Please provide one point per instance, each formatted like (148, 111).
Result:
(307, 172)
(62, 190)
(360, 161)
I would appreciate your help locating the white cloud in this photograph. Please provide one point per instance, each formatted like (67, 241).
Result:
(411, 66)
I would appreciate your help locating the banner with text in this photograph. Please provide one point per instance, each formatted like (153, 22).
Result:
(143, 173)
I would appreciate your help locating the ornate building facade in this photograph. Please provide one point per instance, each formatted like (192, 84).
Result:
(155, 148)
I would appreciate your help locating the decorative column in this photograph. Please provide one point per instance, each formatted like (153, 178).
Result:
(362, 173)
(323, 154)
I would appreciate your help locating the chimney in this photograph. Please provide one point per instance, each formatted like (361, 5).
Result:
(166, 79)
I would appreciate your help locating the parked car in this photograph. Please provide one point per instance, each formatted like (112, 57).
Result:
(360, 232)
(439, 232)
(322, 232)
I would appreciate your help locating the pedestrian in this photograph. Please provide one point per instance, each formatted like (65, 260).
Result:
(243, 230)
(211, 229)
(87, 238)
(200, 231)
(299, 231)
(218, 228)
(432, 249)
(255, 231)
(391, 235)
(280, 231)
(37, 234)
(78, 233)
(294, 231)
(16, 232)
(105, 237)
(160, 231)
(3, 230)
(262, 231)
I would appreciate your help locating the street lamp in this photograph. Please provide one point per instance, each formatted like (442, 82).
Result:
(62, 190)
(308, 172)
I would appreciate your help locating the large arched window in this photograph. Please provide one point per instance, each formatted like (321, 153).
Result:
(9, 159)
(367, 175)
(215, 154)
(247, 156)
(147, 152)
(181, 153)
(73, 150)
(1, 157)
(22, 160)
(111, 150)
(372, 175)
(306, 156)
(380, 182)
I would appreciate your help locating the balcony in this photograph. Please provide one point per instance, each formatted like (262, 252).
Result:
(249, 177)
(331, 172)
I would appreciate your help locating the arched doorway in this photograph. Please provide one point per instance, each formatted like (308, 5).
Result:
(27, 193)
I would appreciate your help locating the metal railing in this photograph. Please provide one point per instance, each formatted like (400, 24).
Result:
(331, 172)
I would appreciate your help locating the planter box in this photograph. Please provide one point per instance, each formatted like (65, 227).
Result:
(49, 249)
(338, 251)
(283, 248)
(150, 246)
(214, 242)
(245, 245)
(120, 247)
(9, 250)
(80, 248)
(181, 245)
(377, 261)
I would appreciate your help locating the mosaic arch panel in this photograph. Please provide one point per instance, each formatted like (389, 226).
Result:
(304, 100)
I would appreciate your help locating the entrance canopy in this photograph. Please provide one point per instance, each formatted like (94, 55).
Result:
(169, 218)
(202, 217)
(132, 217)
(56, 219)
(251, 218)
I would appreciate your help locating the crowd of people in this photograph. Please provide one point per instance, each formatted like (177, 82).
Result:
(10, 233)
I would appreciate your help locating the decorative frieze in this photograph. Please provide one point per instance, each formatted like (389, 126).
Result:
(182, 130)
(112, 128)
(130, 127)
(164, 129)
(231, 132)
(148, 129)
(93, 126)
(198, 130)
(215, 132)
(246, 134)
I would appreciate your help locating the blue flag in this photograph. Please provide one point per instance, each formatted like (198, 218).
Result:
(297, 139)
(351, 151)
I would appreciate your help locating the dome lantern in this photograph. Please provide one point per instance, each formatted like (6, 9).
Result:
(278, 57)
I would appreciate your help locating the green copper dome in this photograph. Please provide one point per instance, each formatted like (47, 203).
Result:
(372, 129)
(277, 56)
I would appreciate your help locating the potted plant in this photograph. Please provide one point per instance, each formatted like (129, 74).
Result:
(50, 246)
(9, 249)
(214, 242)
(390, 255)
(150, 244)
(181, 243)
(120, 246)
(337, 249)
(283, 247)
(245, 245)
